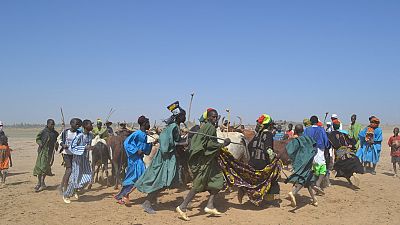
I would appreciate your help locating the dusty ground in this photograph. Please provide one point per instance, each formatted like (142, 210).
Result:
(377, 202)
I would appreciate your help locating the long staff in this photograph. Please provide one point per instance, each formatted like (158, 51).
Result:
(62, 130)
(190, 106)
(206, 135)
(109, 114)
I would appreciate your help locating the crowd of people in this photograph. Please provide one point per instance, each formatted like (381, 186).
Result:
(315, 150)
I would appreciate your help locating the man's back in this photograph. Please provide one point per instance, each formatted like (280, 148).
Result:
(318, 134)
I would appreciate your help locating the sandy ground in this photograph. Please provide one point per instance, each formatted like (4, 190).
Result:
(377, 202)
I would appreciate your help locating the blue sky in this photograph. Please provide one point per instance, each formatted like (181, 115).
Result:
(289, 59)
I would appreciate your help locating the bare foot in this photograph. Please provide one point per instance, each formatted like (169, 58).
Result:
(319, 190)
(240, 196)
(356, 180)
(292, 199)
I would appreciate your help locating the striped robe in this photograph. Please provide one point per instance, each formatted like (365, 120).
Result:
(81, 171)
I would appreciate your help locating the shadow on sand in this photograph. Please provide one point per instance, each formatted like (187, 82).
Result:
(301, 200)
(388, 174)
(344, 184)
(10, 174)
(93, 198)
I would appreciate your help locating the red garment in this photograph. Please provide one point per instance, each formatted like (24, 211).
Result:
(289, 133)
(5, 154)
(394, 143)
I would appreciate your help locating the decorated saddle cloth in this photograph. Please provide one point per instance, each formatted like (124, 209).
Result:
(344, 153)
(256, 183)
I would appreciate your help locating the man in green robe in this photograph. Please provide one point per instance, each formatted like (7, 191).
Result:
(163, 170)
(354, 130)
(100, 130)
(301, 152)
(47, 143)
(203, 156)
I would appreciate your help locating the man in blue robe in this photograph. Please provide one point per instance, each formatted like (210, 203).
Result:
(135, 146)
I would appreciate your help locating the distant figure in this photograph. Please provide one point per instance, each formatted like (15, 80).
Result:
(335, 117)
(5, 158)
(100, 133)
(279, 134)
(47, 143)
(109, 128)
(354, 131)
(394, 144)
(328, 127)
(289, 133)
(1, 129)
(123, 129)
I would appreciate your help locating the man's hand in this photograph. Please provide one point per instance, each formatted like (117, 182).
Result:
(227, 141)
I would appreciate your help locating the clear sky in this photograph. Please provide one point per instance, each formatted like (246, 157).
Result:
(289, 59)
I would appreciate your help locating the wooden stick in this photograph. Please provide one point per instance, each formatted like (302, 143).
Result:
(190, 106)
(206, 135)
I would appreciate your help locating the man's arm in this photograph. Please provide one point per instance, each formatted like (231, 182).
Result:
(390, 141)
(39, 140)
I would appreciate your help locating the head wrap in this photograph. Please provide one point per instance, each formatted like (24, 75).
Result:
(99, 121)
(142, 120)
(334, 116)
(264, 119)
(176, 110)
(307, 122)
(374, 122)
(123, 124)
(336, 124)
(204, 116)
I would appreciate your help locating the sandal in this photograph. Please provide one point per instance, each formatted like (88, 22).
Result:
(121, 202)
